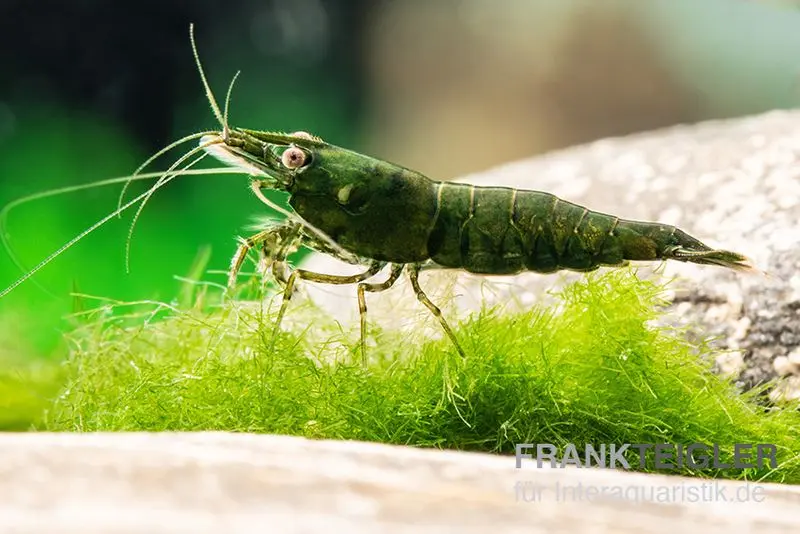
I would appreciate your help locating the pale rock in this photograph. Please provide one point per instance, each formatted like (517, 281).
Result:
(730, 363)
(794, 357)
(783, 366)
(213, 482)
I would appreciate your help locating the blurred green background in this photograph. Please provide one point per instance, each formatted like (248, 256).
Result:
(89, 89)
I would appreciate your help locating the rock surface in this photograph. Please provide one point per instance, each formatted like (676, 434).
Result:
(217, 482)
(734, 184)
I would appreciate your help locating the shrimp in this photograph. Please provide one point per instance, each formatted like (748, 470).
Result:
(374, 214)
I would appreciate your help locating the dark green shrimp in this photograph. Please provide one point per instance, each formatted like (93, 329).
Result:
(373, 213)
(382, 213)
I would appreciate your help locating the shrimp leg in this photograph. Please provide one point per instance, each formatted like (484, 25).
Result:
(397, 270)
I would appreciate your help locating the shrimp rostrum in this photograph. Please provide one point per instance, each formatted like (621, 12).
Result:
(379, 213)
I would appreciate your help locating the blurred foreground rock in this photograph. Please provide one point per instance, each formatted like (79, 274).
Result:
(217, 482)
(734, 184)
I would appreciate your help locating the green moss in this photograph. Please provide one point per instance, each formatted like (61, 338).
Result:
(595, 370)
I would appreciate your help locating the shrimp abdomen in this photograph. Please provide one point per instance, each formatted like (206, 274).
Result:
(499, 230)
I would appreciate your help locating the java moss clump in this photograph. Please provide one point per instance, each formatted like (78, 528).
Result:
(592, 370)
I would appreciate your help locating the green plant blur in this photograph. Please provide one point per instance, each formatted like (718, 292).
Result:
(55, 146)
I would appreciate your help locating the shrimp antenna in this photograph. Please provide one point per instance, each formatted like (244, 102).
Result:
(4, 236)
(225, 129)
(154, 157)
(75, 239)
(209, 94)
(169, 174)
(223, 119)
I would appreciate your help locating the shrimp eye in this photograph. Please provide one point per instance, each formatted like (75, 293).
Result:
(293, 158)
